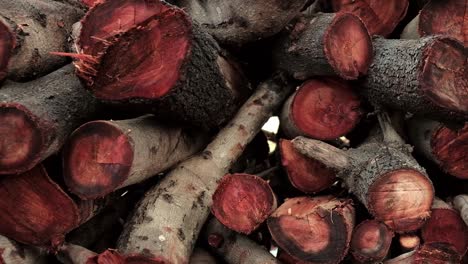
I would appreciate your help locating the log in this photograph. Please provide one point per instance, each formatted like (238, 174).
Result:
(103, 156)
(235, 248)
(242, 202)
(26, 30)
(313, 229)
(12, 252)
(436, 253)
(305, 174)
(382, 174)
(192, 183)
(371, 241)
(324, 45)
(237, 22)
(200, 256)
(443, 145)
(405, 258)
(446, 226)
(321, 108)
(91, 3)
(409, 242)
(38, 116)
(426, 77)
(197, 83)
(380, 18)
(75, 254)
(460, 202)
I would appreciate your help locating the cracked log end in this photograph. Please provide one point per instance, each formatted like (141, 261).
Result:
(348, 46)
(305, 174)
(436, 253)
(380, 17)
(35, 210)
(7, 44)
(242, 202)
(449, 147)
(316, 230)
(445, 18)
(444, 73)
(97, 159)
(402, 199)
(325, 109)
(371, 241)
(22, 138)
(146, 61)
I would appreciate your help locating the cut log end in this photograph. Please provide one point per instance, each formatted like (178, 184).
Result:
(242, 202)
(7, 44)
(305, 174)
(153, 55)
(21, 139)
(316, 230)
(402, 199)
(348, 46)
(325, 109)
(443, 75)
(436, 253)
(409, 242)
(35, 210)
(449, 148)
(97, 159)
(371, 241)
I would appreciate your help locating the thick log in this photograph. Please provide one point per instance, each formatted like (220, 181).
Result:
(196, 84)
(445, 146)
(38, 116)
(313, 229)
(321, 108)
(12, 252)
(103, 156)
(201, 256)
(29, 31)
(426, 77)
(371, 241)
(325, 44)
(460, 203)
(436, 253)
(405, 258)
(380, 18)
(191, 185)
(305, 174)
(446, 226)
(237, 22)
(235, 248)
(383, 176)
(242, 202)
(409, 242)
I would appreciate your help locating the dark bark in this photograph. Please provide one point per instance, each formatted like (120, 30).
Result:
(371, 241)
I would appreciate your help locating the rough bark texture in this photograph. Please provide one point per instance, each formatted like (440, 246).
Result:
(200, 256)
(322, 108)
(37, 117)
(426, 77)
(371, 241)
(103, 156)
(445, 146)
(235, 248)
(35, 28)
(436, 253)
(239, 21)
(197, 84)
(460, 203)
(325, 44)
(13, 253)
(174, 211)
(313, 229)
(380, 18)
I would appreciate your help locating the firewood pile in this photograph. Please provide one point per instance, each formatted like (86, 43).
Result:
(233, 131)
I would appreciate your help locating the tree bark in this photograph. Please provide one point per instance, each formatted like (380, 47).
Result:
(12, 252)
(460, 203)
(406, 258)
(200, 256)
(436, 253)
(38, 116)
(174, 211)
(103, 156)
(29, 31)
(371, 241)
(325, 44)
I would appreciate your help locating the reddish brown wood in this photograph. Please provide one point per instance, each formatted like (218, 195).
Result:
(380, 17)
(242, 202)
(371, 241)
(436, 253)
(306, 174)
(313, 229)
(325, 44)
(91, 3)
(321, 108)
(409, 242)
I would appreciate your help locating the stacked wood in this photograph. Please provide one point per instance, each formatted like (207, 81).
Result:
(409, 242)
(436, 253)
(371, 241)
(38, 116)
(460, 203)
(29, 31)
(12, 252)
(242, 202)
